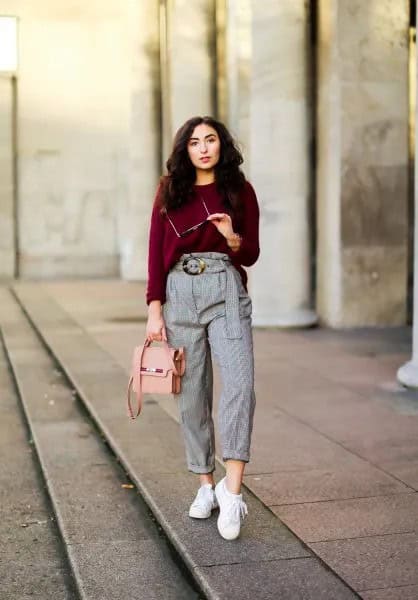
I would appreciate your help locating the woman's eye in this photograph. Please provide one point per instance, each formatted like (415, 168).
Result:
(193, 143)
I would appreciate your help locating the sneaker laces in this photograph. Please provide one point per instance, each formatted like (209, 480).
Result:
(237, 510)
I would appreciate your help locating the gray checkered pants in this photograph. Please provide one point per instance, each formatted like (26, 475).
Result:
(210, 316)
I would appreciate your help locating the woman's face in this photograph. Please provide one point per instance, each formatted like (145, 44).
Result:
(204, 147)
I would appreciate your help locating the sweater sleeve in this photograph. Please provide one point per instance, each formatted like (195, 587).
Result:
(250, 248)
(156, 272)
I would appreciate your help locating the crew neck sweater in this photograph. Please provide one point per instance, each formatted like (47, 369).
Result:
(165, 247)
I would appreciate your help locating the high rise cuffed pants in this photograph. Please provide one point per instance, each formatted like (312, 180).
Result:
(209, 314)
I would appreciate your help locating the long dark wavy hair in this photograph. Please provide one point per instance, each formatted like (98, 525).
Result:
(177, 185)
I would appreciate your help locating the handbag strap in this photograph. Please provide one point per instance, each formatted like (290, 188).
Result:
(139, 399)
(138, 391)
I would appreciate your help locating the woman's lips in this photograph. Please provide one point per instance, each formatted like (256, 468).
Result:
(205, 159)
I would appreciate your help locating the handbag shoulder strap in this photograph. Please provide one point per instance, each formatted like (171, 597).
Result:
(139, 399)
(138, 391)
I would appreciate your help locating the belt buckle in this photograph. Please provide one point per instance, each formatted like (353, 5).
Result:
(194, 265)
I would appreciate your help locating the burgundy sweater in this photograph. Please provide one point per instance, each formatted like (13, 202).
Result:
(165, 247)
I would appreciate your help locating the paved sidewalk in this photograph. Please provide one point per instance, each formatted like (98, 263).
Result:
(335, 446)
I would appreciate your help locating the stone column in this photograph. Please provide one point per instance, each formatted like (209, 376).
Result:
(187, 63)
(408, 373)
(362, 179)
(280, 134)
(7, 216)
(144, 138)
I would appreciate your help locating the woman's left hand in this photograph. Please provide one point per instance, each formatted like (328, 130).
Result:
(223, 223)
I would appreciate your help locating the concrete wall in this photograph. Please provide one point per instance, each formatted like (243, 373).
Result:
(74, 85)
(144, 166)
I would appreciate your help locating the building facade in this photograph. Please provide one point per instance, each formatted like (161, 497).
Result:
(317, 92)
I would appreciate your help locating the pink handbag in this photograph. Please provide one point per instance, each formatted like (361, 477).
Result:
(155, 370)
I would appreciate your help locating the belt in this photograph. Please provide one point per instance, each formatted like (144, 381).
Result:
(199, 263)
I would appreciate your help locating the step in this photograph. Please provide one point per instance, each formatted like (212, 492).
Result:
(33, 564)
(267, 561)
(111, 541)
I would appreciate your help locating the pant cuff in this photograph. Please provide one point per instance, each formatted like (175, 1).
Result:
(235, 455)
(205, 470)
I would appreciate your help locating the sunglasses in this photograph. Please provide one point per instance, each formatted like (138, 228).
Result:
(186, 232)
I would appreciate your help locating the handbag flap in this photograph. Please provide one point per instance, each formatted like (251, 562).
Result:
(155, 361)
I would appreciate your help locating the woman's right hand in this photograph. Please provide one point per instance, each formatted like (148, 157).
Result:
(155, 330)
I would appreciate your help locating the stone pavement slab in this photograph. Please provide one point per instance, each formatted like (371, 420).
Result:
(145, 563)
(405, 469)
(359, 517)
(373, 562)
(303, 578)
(296, 446)
(264, 537)
(404, 592)
(316, 485)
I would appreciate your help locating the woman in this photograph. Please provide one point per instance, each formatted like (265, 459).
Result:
(204, 227)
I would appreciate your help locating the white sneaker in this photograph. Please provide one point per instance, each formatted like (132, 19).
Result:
(232, 509)
(204, 503)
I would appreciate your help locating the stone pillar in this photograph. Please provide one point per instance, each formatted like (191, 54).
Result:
(7, 216)
(408, 373)
(362, 178)
(144, 138)
(280, 133)
(187, 63)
